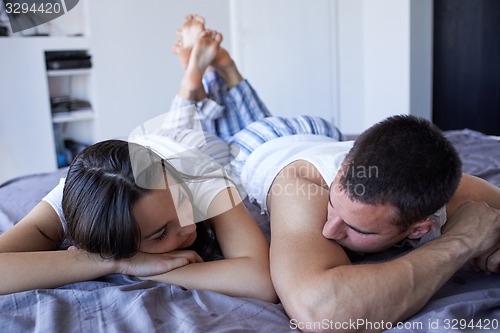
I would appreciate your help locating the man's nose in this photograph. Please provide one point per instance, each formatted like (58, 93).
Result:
(334, 228)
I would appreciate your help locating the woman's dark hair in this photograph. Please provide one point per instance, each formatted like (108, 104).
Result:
(403, 161)
(100, 191)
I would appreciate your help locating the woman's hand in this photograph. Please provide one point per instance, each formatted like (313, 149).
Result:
(146, 264)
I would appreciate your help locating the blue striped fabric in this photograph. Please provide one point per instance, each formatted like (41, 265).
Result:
(215, 87)
(242, 105)
(226, 111)
(264, 130)
(208, 110)
(243, 120)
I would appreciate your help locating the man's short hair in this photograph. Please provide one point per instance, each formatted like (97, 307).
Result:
(403, 161)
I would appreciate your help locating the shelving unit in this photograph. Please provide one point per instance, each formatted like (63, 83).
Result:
(30, 135)
(72, 119)
(68, 72)
(68, 117)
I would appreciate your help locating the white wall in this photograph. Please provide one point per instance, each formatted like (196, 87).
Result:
(135, 73)
(386, 59)
(385, 56)
(26, 139)
(350, 16)
(287, 50)
(353, 62)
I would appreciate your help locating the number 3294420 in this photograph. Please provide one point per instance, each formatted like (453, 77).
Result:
(34, 8)
(463, 324)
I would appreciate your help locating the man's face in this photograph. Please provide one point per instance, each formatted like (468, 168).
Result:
(360, 227)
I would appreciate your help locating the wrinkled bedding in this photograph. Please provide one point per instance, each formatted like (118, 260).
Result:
(118, 303)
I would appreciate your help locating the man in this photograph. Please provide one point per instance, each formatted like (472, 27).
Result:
(367, 211)
(403, 166)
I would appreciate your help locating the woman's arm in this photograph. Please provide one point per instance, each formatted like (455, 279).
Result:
(39, 230)
(29, 259)
(245, 269)
(28, 256)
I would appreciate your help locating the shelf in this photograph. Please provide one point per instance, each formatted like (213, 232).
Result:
(68, 72)
(71, 116)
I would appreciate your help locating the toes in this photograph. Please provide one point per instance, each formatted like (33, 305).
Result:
(204, 33)
(198, 18)
(194, 17)
(215, 35)
(175, 47)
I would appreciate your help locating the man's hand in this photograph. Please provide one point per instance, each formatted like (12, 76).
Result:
(479, 226)
(488, 262)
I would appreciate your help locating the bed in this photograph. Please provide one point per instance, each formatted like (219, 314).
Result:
(469, 301)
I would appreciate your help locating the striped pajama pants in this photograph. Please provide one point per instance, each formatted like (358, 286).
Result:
(239, 117)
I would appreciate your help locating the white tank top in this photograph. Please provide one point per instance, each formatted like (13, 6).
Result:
(264, 164)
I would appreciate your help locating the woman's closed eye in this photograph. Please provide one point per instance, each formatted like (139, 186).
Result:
(162, 235)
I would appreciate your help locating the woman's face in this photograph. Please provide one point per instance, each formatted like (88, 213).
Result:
(165, 218)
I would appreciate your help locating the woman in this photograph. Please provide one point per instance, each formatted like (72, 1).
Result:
(118, 226)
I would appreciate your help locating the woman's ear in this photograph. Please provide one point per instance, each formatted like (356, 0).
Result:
(420, 228)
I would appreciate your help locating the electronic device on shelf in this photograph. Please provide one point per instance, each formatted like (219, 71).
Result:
(67, 104)
(68, 59)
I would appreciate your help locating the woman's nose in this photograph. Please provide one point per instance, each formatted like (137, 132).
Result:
(185, 214)
(334, 229)
(188, 229)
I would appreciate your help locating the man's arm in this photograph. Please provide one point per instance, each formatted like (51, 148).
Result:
(315, 281)
(472, 188)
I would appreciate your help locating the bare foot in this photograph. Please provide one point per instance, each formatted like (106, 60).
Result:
(182, 52)
(223, 60)
(203, 53)
(226, 67)
(191, 29)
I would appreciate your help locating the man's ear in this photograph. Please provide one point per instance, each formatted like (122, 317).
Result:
(420, 228)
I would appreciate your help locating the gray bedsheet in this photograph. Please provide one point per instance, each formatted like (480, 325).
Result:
(119, 303)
